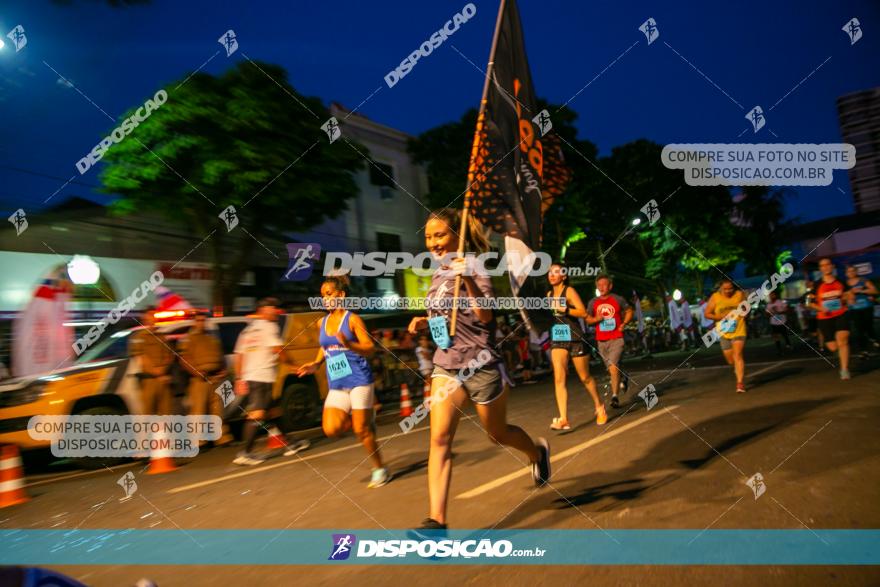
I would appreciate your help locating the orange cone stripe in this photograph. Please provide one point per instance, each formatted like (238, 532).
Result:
(11, 477)
(11, 485)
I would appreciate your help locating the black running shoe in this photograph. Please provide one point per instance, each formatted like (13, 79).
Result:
(430, 529)
(624, 384)
(615, 403)
(541, 467)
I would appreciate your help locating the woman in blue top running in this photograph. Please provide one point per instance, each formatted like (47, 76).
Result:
(345, 346)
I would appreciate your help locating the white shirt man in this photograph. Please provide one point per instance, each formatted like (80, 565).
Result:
(257, 352)
(686, 317)
(705, 322)
(675, 317)
(258, 345)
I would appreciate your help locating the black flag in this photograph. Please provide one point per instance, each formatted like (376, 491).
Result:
(517, 168)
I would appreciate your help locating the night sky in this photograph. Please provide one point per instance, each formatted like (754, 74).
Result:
(755, 52)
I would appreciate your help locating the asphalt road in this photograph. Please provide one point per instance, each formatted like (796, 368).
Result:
(683, 464)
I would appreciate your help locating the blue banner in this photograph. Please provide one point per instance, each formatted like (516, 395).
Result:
(531, 547)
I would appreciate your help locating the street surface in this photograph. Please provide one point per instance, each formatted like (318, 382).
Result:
(681, 465)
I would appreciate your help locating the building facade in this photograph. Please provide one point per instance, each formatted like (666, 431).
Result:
(859, 115)
(388, 212)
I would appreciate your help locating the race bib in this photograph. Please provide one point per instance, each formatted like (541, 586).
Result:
(861, 304)
(728, 326)
(608, 324)
(338, 367)
(561, 333)
(439, 332)
(831, 305)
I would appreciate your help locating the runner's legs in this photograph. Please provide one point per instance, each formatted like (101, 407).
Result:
(445, 414)
(582, 366)
(494, 419)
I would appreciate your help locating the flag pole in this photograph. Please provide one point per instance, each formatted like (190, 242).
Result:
(475, 147)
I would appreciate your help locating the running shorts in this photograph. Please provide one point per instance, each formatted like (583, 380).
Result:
(727, 343)
(259, 395)
(356, 398)
(831, 325)
(483, 387)
(610, 350)
(575, 348)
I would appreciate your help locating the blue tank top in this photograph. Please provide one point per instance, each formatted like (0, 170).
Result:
(360, 373)
(862, 300)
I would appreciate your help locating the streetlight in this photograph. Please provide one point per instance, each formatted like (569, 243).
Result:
(2, 44)
(83, 270)
(676, 295)
(636, 221)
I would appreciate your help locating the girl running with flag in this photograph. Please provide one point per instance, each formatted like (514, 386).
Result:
(461, 372)
(345, 344)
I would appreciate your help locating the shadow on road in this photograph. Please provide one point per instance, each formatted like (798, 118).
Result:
(774, 375)
(403, 471)
(675, 457)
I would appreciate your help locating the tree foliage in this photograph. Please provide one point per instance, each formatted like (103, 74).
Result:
(701, 234)
(245, 138)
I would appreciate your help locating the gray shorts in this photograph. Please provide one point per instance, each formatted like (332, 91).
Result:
(259, 396)
(727, 343)
(482, 387)
(610, 350)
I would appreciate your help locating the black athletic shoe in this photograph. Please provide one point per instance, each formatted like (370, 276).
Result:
(541, 467)
(430, 529)
(624, 384)
(615, 403)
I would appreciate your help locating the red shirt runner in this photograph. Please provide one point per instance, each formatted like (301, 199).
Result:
(829, 296)
(610, 308)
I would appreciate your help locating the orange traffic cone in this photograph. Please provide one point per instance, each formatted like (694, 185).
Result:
(276, 439)
(11, 477)
(159, 465)
(405, 404)
(161, 461)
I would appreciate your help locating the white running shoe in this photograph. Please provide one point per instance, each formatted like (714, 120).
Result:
(297, 446)
(248, 459)
(380, 477)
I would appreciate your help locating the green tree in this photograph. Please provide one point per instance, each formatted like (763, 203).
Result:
(592, 222)
(760, 212)
(245, 138)
(445, 152)
(693, 238)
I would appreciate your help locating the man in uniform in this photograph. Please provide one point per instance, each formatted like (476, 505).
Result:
(202, 357)
(152, 349)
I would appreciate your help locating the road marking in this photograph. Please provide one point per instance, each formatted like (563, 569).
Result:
(73, 475)
(480, 490)
(725, 366)
(64, 476)
(765, 369)
(289, 462)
